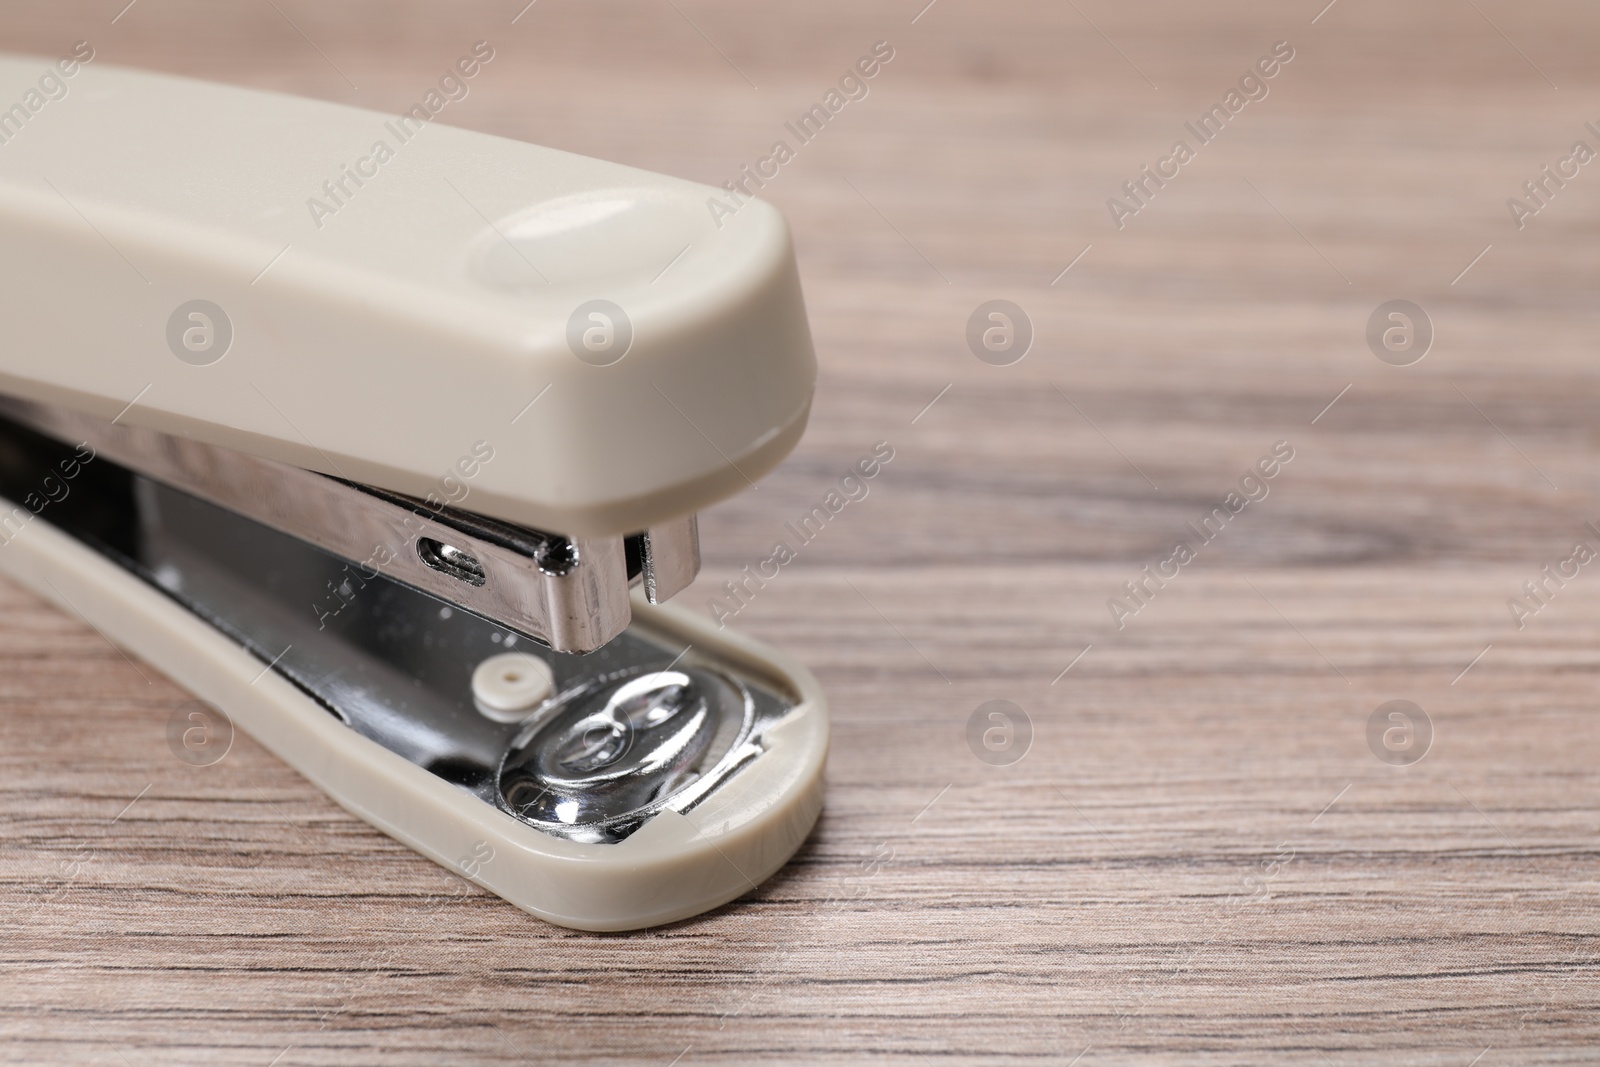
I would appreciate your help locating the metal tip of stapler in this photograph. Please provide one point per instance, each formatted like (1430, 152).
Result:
(568, 593)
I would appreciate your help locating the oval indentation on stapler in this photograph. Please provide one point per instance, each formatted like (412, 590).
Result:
(450, 560)
(611, 236)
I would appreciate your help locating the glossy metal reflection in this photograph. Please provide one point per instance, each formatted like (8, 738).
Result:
(604, 757)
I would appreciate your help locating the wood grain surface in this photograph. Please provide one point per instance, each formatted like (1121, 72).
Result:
(1199, 860)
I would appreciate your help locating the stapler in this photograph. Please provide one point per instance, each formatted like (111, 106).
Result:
(386, 439)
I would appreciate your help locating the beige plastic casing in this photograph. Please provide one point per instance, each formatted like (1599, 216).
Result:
(675, 866)
(378, 342)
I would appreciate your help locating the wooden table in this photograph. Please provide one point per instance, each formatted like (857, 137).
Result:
(1200, 859)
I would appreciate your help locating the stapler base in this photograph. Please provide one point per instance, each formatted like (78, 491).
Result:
(715, 833)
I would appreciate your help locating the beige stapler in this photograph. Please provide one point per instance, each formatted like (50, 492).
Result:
(386, 438)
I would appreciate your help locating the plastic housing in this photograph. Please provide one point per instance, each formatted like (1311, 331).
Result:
(397, 290)
(675, 866)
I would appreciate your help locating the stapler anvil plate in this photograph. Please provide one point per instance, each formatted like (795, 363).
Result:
(401, 486)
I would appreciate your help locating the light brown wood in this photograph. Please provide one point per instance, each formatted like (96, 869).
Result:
(1199, 861)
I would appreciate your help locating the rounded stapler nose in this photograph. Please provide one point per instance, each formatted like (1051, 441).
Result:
(326, 413)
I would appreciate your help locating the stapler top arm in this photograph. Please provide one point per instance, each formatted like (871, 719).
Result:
(546, 353)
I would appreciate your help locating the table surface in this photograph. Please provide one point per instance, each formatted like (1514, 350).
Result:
(1200, 859)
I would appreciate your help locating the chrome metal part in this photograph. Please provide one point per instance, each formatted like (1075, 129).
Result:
(569, 593)
(605, 756)
(639, 726)
(670, 560)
